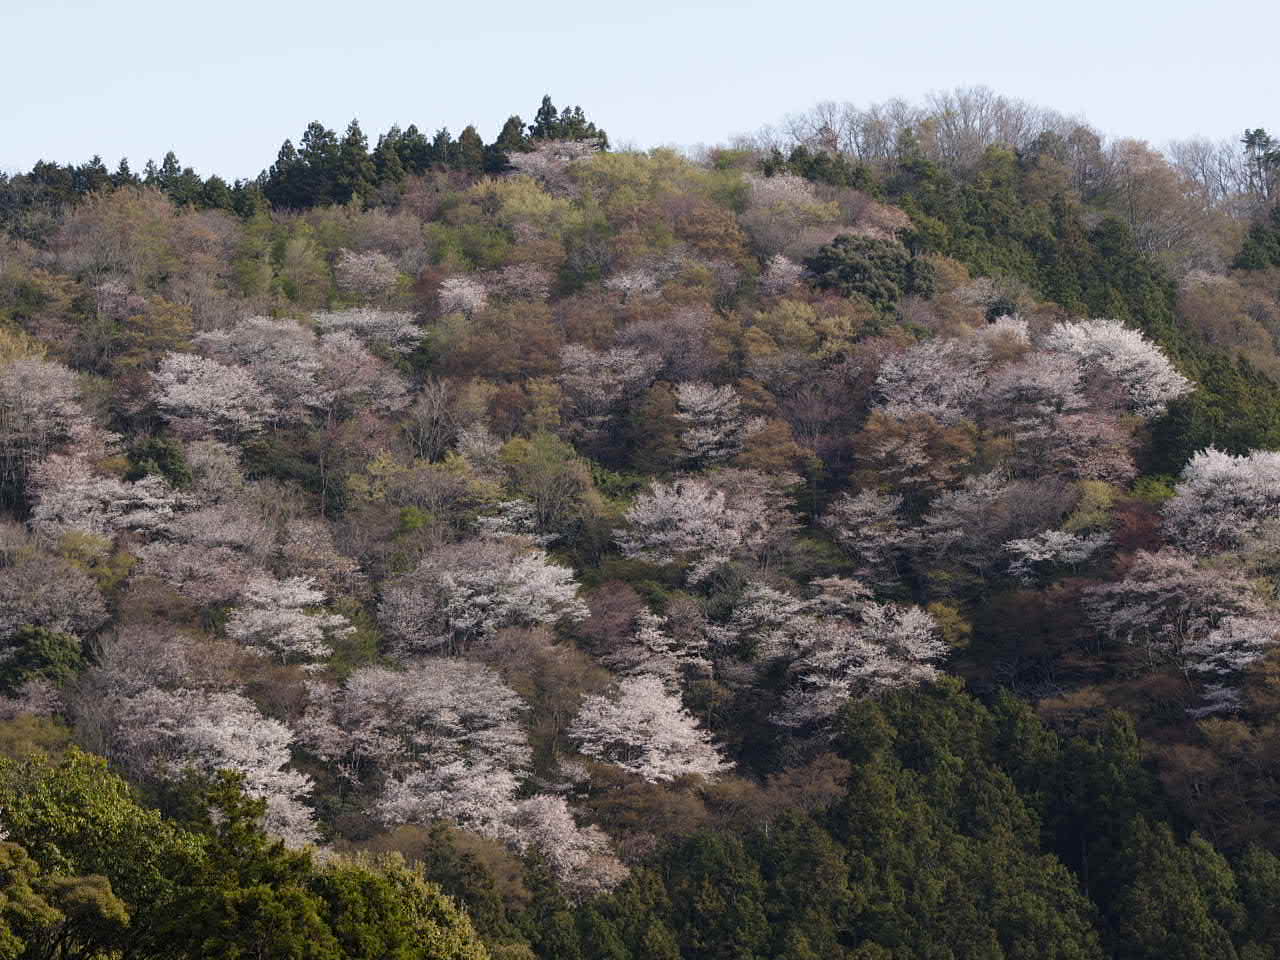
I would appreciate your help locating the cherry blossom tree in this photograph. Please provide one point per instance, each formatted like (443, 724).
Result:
(1034, 556)
(39, 410)
(580, 857)
(1039, 403)
(638, 283)
(550, 162)
(69, 495)
(352, 379)
(870, 525)
(236, 524)
(210, 554)
(164, 733)
(879, 648)
(653, 651)
(480, 448)
(941, 378)
(1233, 645)
(203, 395)
(704, 523)
(462, 295)
(643, 728)
(1169, 602)
(517, 519)
(1124, 356)
(390, 330)
(280, 355)
(42, 590)
(837, 645)
(279, 618)
(970, 526)
(522, 281)
(443, 735)
(307, 376)
(204, 575)
(781, 275)
(598, 384)
(781, 210)
(1217, 698)
(1221, 500)
(369, 274)
(1031, 393)
(461, 594)
(765, 625)
(682, 339)
(714, 425)
(1222, 655)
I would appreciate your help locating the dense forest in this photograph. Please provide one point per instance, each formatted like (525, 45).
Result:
(859, 540)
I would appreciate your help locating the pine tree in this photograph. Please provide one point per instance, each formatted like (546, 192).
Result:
(355, 168)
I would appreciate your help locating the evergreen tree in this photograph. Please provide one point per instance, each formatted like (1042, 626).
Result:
(468, 153)
(355, 173)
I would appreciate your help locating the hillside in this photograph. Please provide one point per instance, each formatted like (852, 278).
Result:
(856, 541)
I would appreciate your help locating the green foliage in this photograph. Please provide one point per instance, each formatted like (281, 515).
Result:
(1261, 248)
(159, 456)
(37, 653)
(881, 271)
(1154, 488)
(24, 913)
(568, 124)
(358, 647)
(88, 862)
(821, 166)
(1181, 902)
(27, 735)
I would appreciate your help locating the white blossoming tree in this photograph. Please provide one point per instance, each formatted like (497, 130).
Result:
(200, 395)
(714, 426)
(703, 523)
(882, 647)
(638, 283)
(1169, 603)
(43, 590)
(462, 295)
(443, 737)
(1139, 368)
(580, 857)
(279, 355)
(1222, 499)
(69, 495)
(464, 593)
(390, 330)
(652, 650)
(871, 527)
(644, 729)
(279, 618)
(599, 383)
(1032, 557)
(941, 378)
(780, 276)
(39, 410)
(369, 274)
(163, 733)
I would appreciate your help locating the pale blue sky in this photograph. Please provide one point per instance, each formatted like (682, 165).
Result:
(223, 85)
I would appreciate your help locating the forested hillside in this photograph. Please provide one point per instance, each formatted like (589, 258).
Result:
(857, 541)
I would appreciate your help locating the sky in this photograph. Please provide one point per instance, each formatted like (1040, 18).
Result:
(223, 85)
